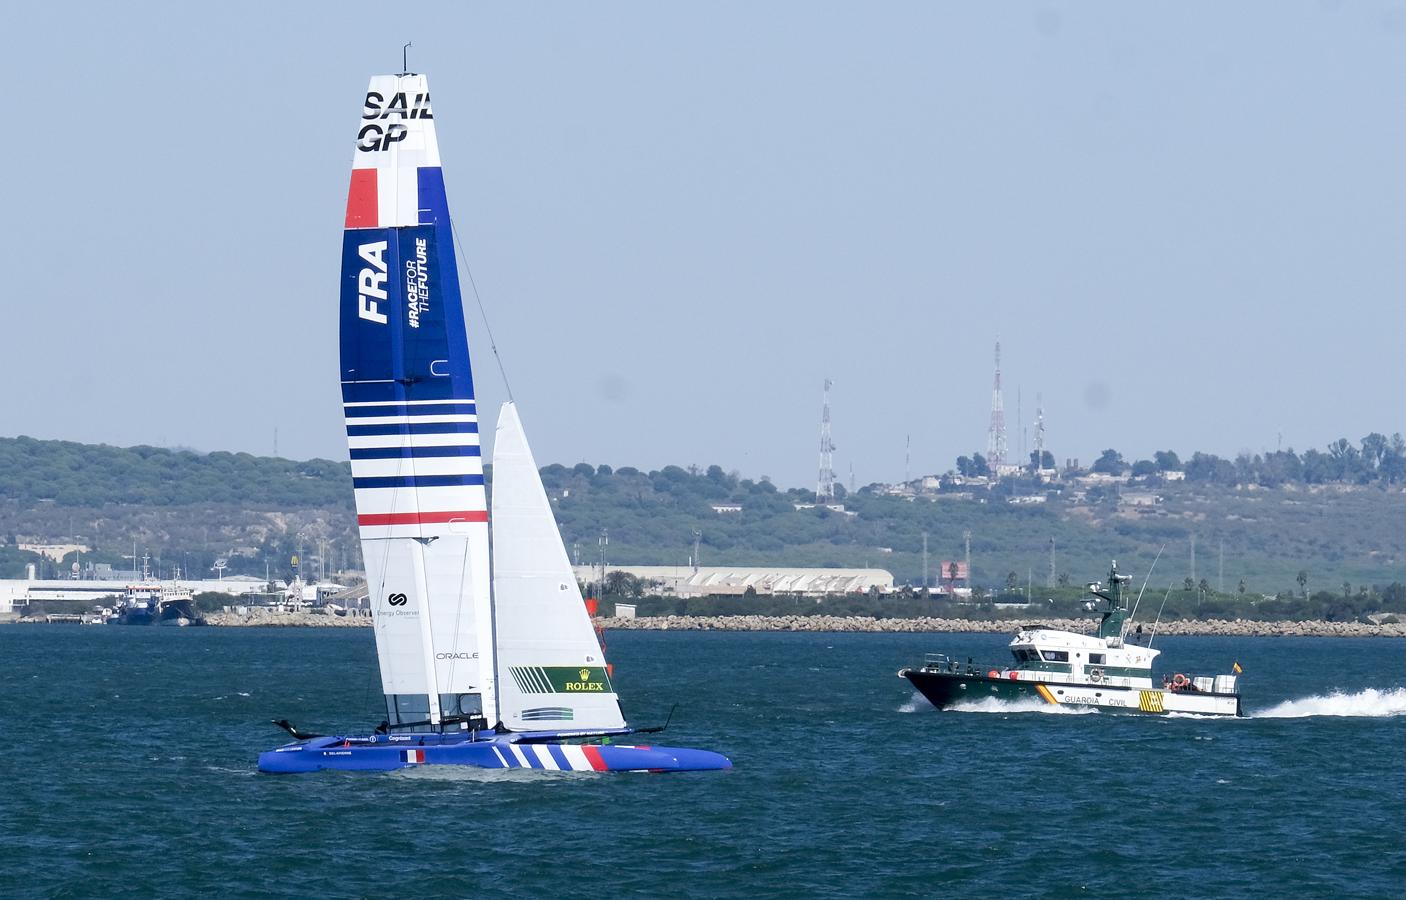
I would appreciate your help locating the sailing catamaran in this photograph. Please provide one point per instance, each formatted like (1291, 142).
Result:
(497, 671)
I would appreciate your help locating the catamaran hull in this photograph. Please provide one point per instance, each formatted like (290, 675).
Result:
(387, 754)
(947, 689)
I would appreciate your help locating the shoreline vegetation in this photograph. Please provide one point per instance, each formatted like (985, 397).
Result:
(1317, 534)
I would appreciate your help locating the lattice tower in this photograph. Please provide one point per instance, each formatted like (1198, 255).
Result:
(825, 484)
(1039, 431)
(996, 434)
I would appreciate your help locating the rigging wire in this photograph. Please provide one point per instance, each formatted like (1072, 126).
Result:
(488, 329)
(463, 260)
(459, 623)
(1152, 636)
(1133, 615)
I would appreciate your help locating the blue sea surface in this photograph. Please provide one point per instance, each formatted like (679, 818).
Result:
(131, 772)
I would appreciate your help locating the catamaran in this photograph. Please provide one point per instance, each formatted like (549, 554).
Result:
(1110, 670)
(487, 654)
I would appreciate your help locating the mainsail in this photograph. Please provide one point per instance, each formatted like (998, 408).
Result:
(412, 424)
(552, 674)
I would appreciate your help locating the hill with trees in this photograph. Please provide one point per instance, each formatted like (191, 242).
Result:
(1336, 517)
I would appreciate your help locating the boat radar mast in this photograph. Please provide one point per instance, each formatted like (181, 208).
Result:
(1116, 613)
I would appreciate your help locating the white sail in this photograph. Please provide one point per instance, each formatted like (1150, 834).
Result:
(552, 675)
(411, 417)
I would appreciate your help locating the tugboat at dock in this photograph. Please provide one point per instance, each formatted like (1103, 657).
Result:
(156, 604)
(1065, 668)
(150, 602)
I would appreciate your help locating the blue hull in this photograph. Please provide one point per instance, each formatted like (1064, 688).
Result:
(382, 753)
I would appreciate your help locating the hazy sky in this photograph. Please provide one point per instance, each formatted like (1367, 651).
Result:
(1185, 221)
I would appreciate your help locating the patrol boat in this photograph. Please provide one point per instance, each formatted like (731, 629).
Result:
(487, 654)
(1110, 670)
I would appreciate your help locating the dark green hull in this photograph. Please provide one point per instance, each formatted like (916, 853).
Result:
(946, 688)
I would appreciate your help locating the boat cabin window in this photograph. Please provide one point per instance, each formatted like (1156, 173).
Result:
(1096, 659)
(408, 712)
(1055, 655)
(1026, 655)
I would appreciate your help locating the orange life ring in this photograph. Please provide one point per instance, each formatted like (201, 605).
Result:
(993, 674)
(1179, 680)
(1015, 676)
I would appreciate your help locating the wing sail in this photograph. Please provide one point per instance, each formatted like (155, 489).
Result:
(411, 418)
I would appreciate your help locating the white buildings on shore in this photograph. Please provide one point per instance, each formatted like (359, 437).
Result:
(16, 593)
(685, 581)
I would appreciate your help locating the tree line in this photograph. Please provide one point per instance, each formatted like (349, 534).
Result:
(1376, 459)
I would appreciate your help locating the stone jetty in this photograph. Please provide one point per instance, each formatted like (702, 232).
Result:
(1235, 628)
(260, 617)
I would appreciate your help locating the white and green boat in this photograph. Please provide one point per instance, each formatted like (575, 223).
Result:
(1110, 670)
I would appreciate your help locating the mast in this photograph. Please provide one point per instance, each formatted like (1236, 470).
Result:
(1116, 608)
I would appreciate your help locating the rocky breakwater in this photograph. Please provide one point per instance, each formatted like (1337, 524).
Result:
(257, 616)
(1235, 628)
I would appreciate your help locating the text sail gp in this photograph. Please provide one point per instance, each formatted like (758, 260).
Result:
(500, 668)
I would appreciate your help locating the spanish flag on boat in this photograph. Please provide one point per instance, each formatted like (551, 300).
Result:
(1235, 667)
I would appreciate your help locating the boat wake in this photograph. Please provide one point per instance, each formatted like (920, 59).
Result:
(919, 703)
(482, 776)
(1368, 703)
(916, 703)
(1030, 705)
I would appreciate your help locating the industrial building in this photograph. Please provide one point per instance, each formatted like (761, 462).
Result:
(703, 581)
(16, 593)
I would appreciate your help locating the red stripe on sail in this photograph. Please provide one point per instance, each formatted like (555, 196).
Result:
(594, 758)
(361, 200)
(423, 518)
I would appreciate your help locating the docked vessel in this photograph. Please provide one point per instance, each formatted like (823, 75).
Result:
(1110, 670)
(149, 603)
(487, 655)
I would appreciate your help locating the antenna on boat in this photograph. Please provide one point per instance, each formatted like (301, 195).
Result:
(405, 57)
(1133, 614)
(1153, 635)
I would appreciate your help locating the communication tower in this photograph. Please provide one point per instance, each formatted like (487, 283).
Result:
(1039, 432)
(825, 484)
(996, 434)
(1020, 419)
(967, 542)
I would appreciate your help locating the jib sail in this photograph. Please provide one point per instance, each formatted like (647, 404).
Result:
(552, 675)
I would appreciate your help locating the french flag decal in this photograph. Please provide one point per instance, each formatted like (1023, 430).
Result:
(412, 756)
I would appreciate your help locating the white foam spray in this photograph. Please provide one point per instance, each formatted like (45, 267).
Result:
(919, 703)
(1368, 703)
(916, 703)
(1023, 705)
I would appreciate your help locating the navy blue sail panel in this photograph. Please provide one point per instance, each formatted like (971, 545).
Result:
(402, 325)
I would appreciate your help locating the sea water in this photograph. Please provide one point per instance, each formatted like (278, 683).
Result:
(130, 771)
